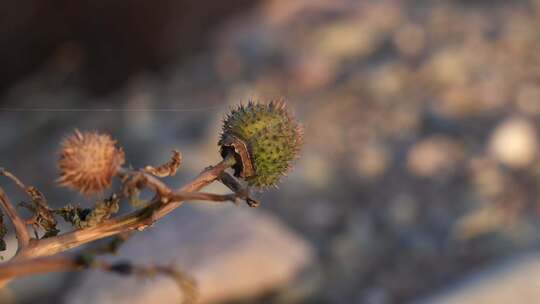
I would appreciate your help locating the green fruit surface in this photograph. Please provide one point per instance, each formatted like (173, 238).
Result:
(271, 136)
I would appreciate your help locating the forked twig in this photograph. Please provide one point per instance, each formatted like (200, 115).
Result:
(23, 237)
(166, 201)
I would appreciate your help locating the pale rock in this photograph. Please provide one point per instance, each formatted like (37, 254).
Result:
(514, 143)
(434, 155)
(514, 281)
(372, 161)
(231, 252)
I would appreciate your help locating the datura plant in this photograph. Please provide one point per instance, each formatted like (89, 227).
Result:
(259, 143)
(264, 138)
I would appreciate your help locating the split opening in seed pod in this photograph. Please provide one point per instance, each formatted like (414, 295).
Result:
(237, 167)
(232, 144)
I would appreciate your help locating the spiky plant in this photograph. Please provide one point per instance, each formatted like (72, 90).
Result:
(259, 141)
(265, 139)
(89, 161)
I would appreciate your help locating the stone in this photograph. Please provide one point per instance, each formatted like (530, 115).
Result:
(410, 40)
(372, 161)
(514, 281)
(231, 252)
(434, 155)
(514, 143)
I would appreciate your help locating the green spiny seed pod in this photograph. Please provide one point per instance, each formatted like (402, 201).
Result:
(264, 138)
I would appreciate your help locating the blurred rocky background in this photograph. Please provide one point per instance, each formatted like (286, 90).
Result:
(418, 182)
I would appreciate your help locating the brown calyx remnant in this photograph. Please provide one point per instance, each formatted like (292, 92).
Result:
(88, 161)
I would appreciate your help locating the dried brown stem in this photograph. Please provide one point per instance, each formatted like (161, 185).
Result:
(138, 219)
(61, 263)
(25, 267)
(12, 177)
(168, 169)
(31, 258)
(240, 191)
(23, 237)
(185, 283)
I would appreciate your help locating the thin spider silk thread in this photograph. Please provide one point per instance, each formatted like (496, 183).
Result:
(7, 109)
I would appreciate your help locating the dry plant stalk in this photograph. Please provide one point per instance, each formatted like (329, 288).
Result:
(258, 143)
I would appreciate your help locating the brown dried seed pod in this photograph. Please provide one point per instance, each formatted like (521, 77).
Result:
(88, 161)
